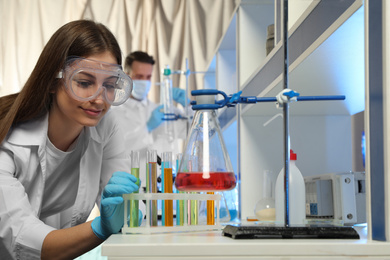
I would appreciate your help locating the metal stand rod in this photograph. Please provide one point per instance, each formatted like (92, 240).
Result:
(286, 118)
(186, 100)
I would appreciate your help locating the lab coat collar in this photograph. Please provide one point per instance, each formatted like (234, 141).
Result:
(30, 133)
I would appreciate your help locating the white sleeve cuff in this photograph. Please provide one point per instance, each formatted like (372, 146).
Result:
(29, 243)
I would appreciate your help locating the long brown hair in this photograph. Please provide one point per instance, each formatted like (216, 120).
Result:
(78, 38)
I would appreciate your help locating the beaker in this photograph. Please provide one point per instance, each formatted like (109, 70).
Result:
(206, 164)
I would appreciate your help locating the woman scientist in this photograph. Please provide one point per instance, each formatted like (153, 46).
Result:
(61, 151)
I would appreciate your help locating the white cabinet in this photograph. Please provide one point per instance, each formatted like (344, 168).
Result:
(326, 57)
(253, 19)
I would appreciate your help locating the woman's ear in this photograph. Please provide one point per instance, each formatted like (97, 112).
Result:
(55, 86)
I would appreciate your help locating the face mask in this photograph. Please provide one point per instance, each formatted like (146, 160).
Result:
(141, 89)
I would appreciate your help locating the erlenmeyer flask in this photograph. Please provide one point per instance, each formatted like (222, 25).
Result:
(206, 164)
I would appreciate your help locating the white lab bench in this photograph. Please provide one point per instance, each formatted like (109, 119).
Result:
(213, 245)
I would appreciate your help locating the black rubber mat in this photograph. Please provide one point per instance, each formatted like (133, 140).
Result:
(267, 232)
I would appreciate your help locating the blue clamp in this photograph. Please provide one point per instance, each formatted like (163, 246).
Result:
(208, 92)
(172, 117)
(232, 100)
(291, 94)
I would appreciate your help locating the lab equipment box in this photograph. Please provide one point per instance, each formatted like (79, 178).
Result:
(336, 197)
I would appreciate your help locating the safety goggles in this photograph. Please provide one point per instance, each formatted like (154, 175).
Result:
(86, 79)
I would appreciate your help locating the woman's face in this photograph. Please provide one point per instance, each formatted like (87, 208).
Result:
(82, 113)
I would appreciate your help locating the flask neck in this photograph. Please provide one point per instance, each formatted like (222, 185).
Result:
(267, 184)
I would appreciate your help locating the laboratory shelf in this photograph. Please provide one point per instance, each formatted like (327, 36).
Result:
(212, 245)
(319, 65)
(322, 44)
(326, 57)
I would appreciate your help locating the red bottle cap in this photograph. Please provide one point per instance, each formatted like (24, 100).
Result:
(293, 156)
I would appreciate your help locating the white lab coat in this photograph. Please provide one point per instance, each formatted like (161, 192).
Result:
(22, 183)
(133, 116)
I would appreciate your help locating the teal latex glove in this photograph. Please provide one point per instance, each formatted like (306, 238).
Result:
(155, 119)
(111, 206)
(179, 95)
(140, 217)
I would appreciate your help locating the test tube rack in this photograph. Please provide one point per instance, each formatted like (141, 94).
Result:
(146, 228)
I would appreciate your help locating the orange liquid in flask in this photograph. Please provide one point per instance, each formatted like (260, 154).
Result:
(194, 181)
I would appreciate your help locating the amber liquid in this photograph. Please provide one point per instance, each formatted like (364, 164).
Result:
(194, 181)
(210, 211)
(168, 203)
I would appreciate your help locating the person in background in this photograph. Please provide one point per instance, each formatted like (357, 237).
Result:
(141, 118)
(61, 151)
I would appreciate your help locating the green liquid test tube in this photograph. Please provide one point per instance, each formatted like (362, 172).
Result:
(180, 204)
(194, 211)
(134, 204)
(193, 206)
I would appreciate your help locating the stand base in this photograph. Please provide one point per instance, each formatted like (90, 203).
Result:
(302, 232)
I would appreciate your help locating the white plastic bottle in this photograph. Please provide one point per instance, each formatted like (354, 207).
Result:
(297, 202)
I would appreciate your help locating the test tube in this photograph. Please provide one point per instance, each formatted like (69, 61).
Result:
(147, 172)
(193, 206)
(194, 211)
(152, 167)
(134, 204)
(210, 211)
(168, 187)
(162, 190)
(179, 203)
(166, 90)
